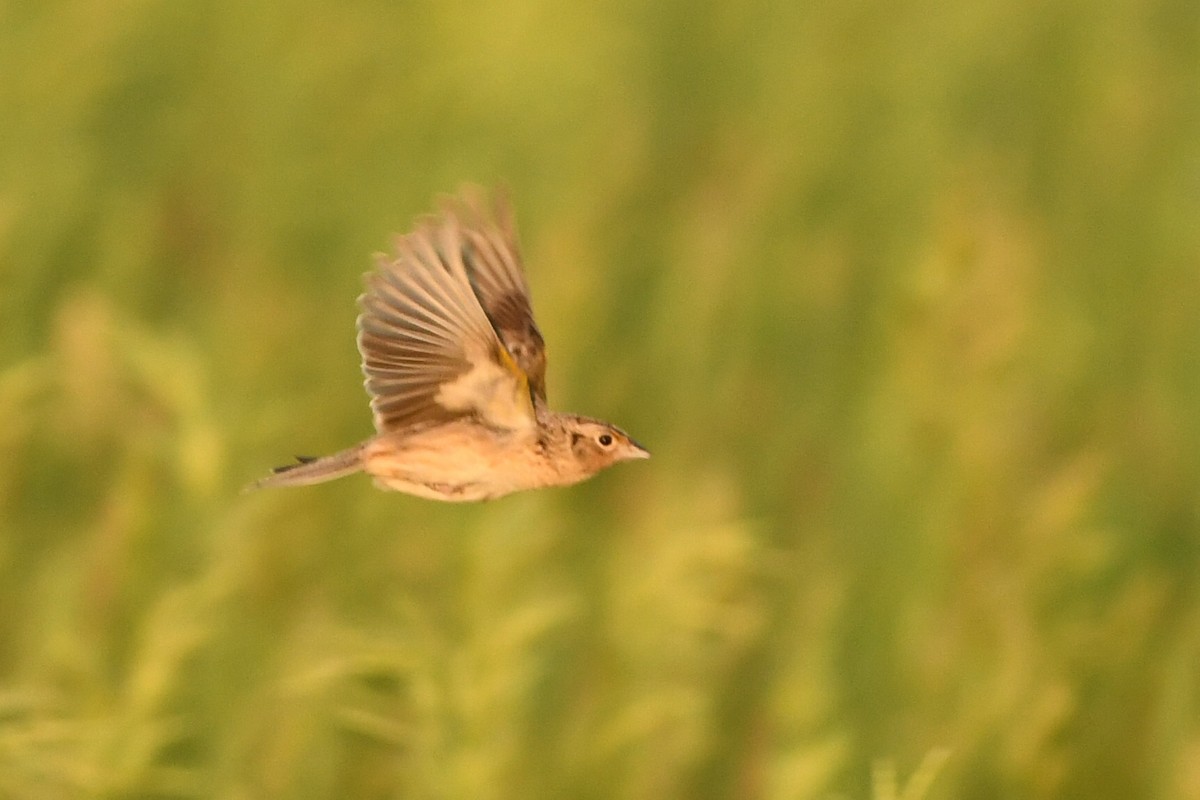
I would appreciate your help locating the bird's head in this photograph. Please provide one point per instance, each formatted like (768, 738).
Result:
(597, 445)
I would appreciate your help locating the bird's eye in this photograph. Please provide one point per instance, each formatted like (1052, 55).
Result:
(605, 439)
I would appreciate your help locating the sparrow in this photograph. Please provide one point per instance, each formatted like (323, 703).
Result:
(455, 369)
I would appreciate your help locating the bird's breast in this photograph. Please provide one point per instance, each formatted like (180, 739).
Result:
(459, 461)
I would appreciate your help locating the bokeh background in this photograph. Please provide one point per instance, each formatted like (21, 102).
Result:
(904, 297)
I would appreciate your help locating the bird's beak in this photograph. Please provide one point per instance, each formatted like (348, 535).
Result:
(635, 450)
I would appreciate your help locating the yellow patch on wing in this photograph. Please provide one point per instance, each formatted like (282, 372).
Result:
(496, 390)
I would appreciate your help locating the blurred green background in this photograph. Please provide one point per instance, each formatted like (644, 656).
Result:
(905, 299)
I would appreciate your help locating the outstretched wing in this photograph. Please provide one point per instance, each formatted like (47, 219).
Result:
(429, 353)
(492, 257)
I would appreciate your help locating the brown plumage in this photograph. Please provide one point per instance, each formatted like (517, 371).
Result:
(455, 368)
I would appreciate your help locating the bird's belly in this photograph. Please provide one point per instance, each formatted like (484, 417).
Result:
(449, 492)
(455, 465)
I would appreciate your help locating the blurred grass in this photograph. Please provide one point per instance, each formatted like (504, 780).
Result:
(903, 298)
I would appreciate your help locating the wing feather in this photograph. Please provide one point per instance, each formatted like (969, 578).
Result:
(429, 352)
(492, 257)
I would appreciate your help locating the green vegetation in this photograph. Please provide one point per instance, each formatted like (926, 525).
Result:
(905, 299)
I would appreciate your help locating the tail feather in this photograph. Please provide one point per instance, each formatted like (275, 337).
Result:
(308, 469)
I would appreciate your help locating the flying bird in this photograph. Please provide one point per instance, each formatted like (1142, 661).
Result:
(455, 369)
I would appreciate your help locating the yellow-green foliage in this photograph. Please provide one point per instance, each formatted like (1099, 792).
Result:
(904, 298)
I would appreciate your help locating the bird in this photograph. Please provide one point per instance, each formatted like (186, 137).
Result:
(455, 369)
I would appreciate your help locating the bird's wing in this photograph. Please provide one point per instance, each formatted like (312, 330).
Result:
(492, 257)
(429, 353)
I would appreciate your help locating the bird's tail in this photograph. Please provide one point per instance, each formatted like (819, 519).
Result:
(313, 470)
